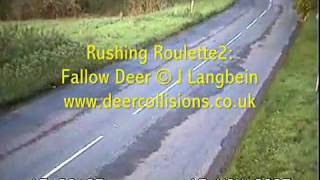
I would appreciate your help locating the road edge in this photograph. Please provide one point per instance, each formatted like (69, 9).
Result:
(231, 142)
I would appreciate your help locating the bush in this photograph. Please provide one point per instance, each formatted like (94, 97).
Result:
(304, 8)
(27, 9)
(31, 59)
(143, 6)
(59, 8)
(4, 9)
(104, 7)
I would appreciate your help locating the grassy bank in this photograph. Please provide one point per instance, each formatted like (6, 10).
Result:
(33, 52)
(282, 140)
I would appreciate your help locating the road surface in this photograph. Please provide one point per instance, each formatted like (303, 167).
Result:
(41, 139)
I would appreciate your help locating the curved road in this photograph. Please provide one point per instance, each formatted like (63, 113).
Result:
(40, 139)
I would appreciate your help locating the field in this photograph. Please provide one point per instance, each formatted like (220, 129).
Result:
(282, 139)
(33, 52)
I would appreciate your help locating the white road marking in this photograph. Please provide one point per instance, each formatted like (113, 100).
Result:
(230, 42)
(204, 62)
(162, 92)
(264, 12)
(137, 111)
(199, 65)
(170, 87)
(234, 38)
(60, 166)
(270, 4)
(95, 141)
(252, 23)
(239, 34)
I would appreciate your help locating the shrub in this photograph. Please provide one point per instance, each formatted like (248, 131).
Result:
(5, 8)
(27, 9)
(31, 59)
(304, 8)
(143, 6)
(59, 8)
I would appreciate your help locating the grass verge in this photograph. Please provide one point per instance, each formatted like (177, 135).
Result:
(282, 140)
(33, 52)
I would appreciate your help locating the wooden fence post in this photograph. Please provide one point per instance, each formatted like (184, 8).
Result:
(192, 6)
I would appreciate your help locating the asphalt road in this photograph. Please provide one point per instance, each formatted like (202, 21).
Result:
(42, 139)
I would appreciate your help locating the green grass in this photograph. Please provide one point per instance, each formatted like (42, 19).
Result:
(33, 52)
(282, 140)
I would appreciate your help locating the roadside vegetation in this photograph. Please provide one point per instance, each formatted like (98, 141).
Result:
(282, 141)
(305, 8)
(40, 9)
(32, 52)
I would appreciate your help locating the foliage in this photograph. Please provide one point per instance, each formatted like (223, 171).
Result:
(28, 9)
(4, 8)
(32, 52)
(104, 7)
(30, 59)
(59, 8)
(305, 7)
(143, 6)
